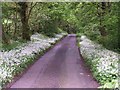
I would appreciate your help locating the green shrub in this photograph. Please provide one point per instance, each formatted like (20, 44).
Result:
(49, 28)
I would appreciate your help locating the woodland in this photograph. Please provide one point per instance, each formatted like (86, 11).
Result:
(99, 21)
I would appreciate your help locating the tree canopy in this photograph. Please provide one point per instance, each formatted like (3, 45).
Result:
(98, 20)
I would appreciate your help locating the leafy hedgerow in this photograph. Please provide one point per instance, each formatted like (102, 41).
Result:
(16, 60)
(103, 62)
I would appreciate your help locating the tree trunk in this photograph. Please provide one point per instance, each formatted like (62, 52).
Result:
(24, 20)
(118, 25)
(15, 23)
(5, 40)
(101, 12)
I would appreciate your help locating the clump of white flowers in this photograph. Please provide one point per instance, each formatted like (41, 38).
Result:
(13, 61)
(104, 63)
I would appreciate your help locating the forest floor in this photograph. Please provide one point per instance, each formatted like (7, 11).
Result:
(60, 67)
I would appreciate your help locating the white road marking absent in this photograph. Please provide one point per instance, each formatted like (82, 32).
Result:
(81, 73)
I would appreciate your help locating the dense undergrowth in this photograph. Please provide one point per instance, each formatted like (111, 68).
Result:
(103, 62)
(14, 61)
(97, 20)
(11, 46)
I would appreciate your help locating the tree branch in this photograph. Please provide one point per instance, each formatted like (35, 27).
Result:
(32, 6)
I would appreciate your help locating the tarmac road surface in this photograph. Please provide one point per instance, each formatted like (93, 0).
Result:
(60, 67)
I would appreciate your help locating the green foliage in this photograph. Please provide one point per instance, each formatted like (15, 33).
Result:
(99, 21)
(79, 34)
(13, 45)
(73, 17)
(111, 84)
(106, 81)
(92, 16)
(50, 28)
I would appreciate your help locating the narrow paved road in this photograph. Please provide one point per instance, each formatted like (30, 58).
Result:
(61, 67)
